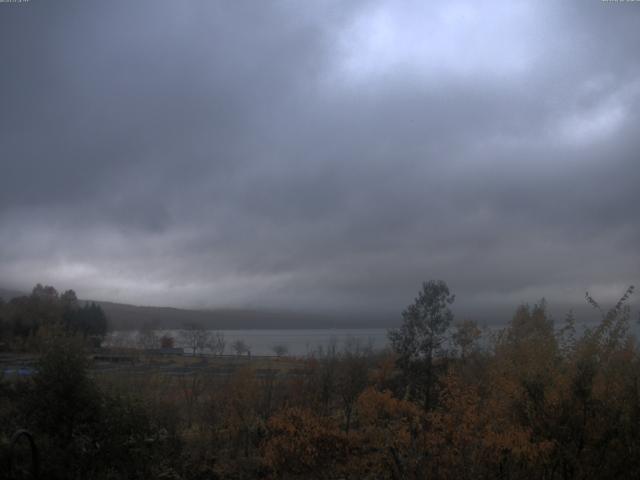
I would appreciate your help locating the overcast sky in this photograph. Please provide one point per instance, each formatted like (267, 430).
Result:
(320, 155)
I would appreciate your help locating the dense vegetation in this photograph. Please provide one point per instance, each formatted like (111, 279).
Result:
(533, 400)
(25, 320)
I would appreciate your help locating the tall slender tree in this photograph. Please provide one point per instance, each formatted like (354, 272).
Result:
(421, 338)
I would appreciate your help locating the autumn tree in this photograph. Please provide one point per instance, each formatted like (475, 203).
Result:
(527, 351)
(390, 437)
(192, 387)
(320, 382)
(465, 337)
(304, 444)
(614, 326)
(241, 409)
(167, 341)
(597, 415)
(472, 347)
(352, 376)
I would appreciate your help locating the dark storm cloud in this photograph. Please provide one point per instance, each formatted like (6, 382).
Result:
(324, 156)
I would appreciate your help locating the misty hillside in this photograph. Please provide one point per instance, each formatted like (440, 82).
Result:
(7, 294)
(123, 316)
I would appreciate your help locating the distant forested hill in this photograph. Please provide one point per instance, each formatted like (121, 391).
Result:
(6, 294)
(131, 317)
(124, 317)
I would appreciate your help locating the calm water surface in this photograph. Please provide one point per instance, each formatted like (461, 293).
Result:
(297, 342)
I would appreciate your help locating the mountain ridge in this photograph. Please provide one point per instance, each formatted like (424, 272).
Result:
(123, 316)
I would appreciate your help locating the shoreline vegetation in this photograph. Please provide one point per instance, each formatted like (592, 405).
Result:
(446, 399)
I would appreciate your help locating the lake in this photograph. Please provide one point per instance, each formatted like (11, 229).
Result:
(262, 342)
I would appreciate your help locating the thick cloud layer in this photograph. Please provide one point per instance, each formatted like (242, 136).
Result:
(321, 156)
